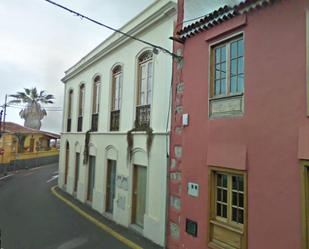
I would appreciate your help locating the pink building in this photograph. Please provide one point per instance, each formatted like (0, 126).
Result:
(239, 175)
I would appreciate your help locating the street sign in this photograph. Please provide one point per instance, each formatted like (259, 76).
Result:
(1, 151)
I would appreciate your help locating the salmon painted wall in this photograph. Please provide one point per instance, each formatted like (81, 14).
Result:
(264, 141)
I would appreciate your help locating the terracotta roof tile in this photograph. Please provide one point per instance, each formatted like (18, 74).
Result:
(221, 15)
(16, 128)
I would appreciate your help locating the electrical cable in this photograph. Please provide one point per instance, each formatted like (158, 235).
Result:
(156, 47)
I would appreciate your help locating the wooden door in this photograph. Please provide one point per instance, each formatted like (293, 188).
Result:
(77, 159)
(139, 195)
(91, 177)
(110, 185)
(66, 169)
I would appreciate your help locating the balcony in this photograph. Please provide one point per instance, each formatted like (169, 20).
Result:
(142, 120)
(94, 122)
(69, 122)
(115, 117)
(80, 123)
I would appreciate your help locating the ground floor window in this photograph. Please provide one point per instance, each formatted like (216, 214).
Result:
(305, 202)
(227, 220)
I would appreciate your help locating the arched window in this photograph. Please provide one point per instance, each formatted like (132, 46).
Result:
(67, 160)
(144, 90)
(96, 103)
(69, 121)
(81, 107)
(116, 98)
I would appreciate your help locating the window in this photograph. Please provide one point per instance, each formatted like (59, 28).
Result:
(116, 98)
(69, 121)
(228, 209)
(305, 203)
(96, 103)
(81, 107)
(144, 96)
(227, 77)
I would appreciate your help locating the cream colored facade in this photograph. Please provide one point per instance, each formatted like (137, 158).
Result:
(155, 24)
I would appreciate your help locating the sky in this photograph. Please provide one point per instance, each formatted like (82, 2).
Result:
(39, 41)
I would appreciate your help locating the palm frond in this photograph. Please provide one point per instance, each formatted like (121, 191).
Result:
(14, 101)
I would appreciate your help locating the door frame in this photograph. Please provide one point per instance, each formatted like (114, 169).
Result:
(107, 180)
(133, 198)
(89, 176)
(304, 170)
(77, 171)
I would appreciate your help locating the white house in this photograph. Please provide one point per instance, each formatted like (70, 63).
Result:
(116, 123)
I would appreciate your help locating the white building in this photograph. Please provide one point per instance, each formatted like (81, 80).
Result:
(120, 85)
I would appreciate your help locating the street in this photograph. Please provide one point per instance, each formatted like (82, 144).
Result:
(32, 218)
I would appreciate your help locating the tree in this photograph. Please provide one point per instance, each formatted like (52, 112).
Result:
(33, 112)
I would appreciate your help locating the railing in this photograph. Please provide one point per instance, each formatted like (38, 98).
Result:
(80, 123)
(115, 117)
(142, 116)
(94, 122)
(69, 122)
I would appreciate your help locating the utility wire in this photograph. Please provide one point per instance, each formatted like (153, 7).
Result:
(156, 47)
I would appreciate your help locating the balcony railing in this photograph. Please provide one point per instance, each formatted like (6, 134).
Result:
(69, 122)
(94, 122)
(142, 116)
(115, 117)
(80, 123)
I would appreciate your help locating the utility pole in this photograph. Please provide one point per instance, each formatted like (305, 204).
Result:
(4, 114)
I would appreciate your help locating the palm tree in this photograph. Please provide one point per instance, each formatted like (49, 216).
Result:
(33, 112)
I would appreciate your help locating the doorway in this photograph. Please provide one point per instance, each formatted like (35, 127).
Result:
(91, 178)
(305, 202)
(139, 195)
(77, 159)
(110, 185)
(66, 166)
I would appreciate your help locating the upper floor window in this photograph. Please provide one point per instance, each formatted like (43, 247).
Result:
(116, 98)
(81, 107)
(81, 100)
(96, 103)
(70, 100)
(96, 95)
(227, 77)
(144, 91)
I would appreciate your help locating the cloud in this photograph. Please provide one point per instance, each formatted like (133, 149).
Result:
(39, 42)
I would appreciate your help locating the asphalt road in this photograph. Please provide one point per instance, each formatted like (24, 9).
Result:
(32, 218)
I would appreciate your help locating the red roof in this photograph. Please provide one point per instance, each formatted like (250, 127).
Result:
(221, 15)
(16, 128)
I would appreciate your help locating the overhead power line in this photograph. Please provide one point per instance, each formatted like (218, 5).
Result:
(156, 48)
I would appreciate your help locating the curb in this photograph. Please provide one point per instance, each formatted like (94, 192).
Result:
(5, 177)
(96, 222)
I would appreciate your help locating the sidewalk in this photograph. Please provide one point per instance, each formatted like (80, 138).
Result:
(129, 237)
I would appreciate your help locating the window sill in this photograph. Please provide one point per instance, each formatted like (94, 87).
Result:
(226, 106)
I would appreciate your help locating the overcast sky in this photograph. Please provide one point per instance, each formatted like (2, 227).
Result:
(38, 42)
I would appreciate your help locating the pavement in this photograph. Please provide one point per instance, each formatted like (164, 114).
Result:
(32, 217)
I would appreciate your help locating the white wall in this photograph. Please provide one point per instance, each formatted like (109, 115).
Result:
(113, 145)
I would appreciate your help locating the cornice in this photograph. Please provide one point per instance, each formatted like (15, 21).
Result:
(116, 39)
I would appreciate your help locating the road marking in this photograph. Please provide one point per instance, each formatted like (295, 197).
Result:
(105, 228)
(5, 177)
(53, 178)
